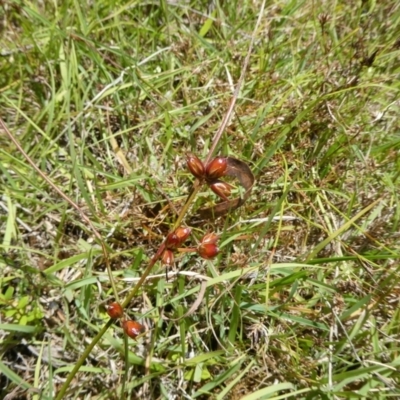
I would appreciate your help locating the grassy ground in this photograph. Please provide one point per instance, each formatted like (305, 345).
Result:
(107, 97)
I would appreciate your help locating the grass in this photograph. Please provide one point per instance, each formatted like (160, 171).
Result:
(107, 98)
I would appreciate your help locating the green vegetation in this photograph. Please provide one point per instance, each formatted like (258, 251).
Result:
(107, 98)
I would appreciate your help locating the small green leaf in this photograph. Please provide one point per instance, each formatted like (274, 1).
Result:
(9, 293)
(206, 27)
(23, 302)
(204, 357)
(10, 313)
(268, 391)
(197, 374)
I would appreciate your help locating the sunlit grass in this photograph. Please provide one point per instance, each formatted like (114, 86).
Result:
(107, 99)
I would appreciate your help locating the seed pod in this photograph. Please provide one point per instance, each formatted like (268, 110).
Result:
(114, 310)
(221, 189)
(209, 238)
(132, 328)
(208, 251)
(216, 168)
(168, 257)
(195, 165)
(182, 233)
(172, 241)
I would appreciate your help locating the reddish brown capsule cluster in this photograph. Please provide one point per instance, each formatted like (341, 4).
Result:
(167, 257)
(172, 242)
(177, 237)
(214, 170)
(208, 248)
(221, 189)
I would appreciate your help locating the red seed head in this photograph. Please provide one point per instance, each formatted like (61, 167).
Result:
(221, 189)
(216, 168)
(209, 238)
(114, 310)
(168, 257)
(195, 165)
(208, 250)
(132, 328)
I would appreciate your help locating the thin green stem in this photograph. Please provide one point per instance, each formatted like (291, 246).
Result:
(108, 324)
(195, 188)
(105, 327)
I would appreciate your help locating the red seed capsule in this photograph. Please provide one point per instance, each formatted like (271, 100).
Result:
(172, 241)
(195, 165)
(209, 238)
(182, 233)
(114, 310)
(221, 189)
(216, 168)
(168, 257)
(208, 251)
(176, 238)
(132, 328)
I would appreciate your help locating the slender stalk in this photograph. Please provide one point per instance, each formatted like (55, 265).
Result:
(193, 192)
(133, 292)
(228, 114)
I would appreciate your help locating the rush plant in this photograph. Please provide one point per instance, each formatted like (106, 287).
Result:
(208, 173)
(207, 248)
(138, 259)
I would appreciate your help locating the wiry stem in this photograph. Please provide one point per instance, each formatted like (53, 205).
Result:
(192, 195)
(228, 114)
